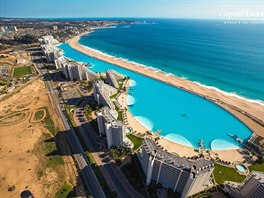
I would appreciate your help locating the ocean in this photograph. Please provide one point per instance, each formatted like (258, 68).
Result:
(229, 57)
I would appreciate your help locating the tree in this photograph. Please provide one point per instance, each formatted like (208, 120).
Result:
(88, 111)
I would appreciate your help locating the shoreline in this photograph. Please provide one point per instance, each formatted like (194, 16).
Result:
(249, 113)
(155, 70)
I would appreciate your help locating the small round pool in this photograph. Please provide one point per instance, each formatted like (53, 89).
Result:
(128, 130)
(241, 168)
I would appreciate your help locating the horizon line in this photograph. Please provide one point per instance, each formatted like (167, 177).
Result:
(130, 17)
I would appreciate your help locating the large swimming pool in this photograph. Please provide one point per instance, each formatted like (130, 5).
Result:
(183, 117)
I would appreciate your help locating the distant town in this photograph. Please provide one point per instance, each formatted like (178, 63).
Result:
(76, 121)
(17, 35)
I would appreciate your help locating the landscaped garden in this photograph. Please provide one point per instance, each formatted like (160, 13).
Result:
(137, 141)
(224, 173)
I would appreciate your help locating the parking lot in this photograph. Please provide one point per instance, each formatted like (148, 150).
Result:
(71, 97)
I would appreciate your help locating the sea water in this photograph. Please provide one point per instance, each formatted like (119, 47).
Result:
(229, 57)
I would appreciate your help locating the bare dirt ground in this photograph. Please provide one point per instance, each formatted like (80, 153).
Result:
(23, 150)
(10, 59)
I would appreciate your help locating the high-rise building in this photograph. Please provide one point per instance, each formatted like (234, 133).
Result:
(112, 78)
(75, 71)
(179, 174)
(114, 130)
(59, 62)
(251, 187)
(8, 29)
(3, 29)
(102, 93)
(48, 40)
(55, 27)
(13, 28)
(51, 52)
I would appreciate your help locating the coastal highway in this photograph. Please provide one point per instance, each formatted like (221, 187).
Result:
(89, 177)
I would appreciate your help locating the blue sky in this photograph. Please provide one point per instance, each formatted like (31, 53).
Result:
(128, 8)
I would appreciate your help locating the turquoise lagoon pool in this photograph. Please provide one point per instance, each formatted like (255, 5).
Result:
(183, 117)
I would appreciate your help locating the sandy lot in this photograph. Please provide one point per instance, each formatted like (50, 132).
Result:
(11, 59)
(22, 149)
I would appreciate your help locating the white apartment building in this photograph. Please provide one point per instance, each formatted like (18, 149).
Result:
(251, 187)
(8, 28)
(102, 93)
(171, 171)
(55, 27)
(114, 130)
(51, 52)
(59, 62)
(75, 71)
(112, 78)
(48, 40)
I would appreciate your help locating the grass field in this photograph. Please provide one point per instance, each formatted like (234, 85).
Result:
(39, 115)
(63, 193)
(223, 173)
(258, 166)
(136, 141)
(21, 71)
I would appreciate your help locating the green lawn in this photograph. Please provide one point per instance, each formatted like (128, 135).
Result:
(258, 166)
(21, 71)
(39, 115)
(136, 141)
(223, 173)
(65, 190)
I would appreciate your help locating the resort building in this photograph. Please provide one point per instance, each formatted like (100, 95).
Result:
(13, 28)
(55, 28)
(48, 40)
(51, 52)
(47, 45)
(59, 62)
(8, 29)
(256, 142)
(171, 171)
(75, 71)
(251, 187)
(113, 129)
(102, 93)
(112, 78)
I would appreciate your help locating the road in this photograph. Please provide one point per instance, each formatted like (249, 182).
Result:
(89, 177)
(112, 173)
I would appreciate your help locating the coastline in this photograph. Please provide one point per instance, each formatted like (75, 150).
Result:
(251, 114)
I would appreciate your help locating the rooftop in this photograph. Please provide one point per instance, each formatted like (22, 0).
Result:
(197, 166)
